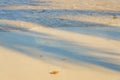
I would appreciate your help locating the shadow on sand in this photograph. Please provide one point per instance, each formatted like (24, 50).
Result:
(46, 44)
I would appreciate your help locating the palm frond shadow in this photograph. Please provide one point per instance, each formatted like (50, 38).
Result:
(46, 44)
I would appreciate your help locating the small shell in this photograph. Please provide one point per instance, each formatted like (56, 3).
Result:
(54, 72)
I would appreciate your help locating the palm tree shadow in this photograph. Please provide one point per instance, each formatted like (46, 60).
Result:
(50, 46)
(40, 44)
(24, 2)
(48, 18)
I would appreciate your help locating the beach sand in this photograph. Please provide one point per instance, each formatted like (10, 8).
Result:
(60, 40)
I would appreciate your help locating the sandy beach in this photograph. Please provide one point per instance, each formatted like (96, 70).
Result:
(59, 40)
